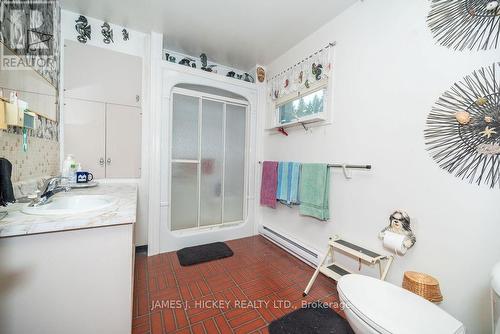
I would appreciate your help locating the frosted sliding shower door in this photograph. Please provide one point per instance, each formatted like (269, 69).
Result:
(212, 154)
(207, 185)
(234, 174)
(185, 162)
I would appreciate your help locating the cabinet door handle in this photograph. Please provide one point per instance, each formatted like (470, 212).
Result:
(108, 161)
(101, 162)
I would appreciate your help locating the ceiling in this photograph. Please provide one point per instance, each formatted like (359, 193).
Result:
(231, 32)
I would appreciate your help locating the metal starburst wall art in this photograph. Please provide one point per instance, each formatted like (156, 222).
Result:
(463, 128)
(465, 24)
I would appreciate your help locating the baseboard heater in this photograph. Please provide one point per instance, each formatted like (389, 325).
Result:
(305, 254)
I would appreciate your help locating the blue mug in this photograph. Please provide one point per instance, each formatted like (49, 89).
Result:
(84, 177)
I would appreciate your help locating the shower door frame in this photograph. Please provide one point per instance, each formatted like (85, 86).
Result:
(225, 101)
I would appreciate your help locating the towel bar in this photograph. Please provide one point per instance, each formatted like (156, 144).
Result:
(346, 166)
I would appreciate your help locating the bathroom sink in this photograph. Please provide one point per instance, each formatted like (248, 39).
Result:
(69, 205)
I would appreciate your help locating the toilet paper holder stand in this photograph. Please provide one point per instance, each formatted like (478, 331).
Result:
(335, 270)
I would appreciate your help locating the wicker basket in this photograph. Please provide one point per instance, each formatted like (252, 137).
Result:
(423, 285)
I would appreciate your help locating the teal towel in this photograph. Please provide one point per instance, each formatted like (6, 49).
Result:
(314, 191)
(287, 191)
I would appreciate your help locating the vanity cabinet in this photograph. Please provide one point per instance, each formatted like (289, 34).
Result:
(104, 137)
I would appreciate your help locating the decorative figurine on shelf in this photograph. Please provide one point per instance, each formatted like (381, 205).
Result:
(125, 34)
(204, 60)
(239, 76)
(399, 222)
(261, 74)
(204, 63)
(186, 61)
(107, 32)
(248, 78)
(230, 74)
(83, 29)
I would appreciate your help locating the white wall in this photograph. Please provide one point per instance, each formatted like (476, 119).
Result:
(388, 74)
(137, 45)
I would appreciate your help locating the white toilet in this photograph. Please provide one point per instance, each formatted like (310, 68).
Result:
(373, 306)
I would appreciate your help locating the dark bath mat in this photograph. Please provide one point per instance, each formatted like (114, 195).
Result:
(315, 318)
(203, 253)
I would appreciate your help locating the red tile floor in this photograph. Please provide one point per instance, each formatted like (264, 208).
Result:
(240, 294)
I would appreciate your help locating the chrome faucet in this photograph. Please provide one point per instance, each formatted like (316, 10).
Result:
(48, 189)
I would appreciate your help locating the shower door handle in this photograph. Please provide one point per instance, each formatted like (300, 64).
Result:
(101, 162)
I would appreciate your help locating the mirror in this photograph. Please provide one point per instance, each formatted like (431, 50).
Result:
(31, 87)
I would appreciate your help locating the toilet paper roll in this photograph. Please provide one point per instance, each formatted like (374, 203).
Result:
(395, 242)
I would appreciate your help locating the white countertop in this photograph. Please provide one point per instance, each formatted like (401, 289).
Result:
(17, 223)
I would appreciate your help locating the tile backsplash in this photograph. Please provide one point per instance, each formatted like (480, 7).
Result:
(41, 158)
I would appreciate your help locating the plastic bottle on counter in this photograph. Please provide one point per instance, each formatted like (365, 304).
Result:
(69, 168)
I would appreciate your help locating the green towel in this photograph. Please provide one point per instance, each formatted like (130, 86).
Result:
(314, 190)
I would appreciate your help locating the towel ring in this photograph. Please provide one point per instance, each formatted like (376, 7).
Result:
(347, 175)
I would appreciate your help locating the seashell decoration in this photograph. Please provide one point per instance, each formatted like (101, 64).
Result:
(481, 101)
(488, 119)
(492, 5)
(489, 149)
(463, 117)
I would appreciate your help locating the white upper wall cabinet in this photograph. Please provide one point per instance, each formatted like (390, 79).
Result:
(97, 74)
(102, 113)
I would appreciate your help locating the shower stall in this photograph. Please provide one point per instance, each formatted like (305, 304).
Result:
(207, 159)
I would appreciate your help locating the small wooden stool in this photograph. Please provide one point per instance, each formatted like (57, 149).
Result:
(423, 285)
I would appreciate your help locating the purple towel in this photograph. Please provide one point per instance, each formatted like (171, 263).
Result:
(269, 184)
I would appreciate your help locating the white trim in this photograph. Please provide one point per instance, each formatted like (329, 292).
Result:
(155, 103)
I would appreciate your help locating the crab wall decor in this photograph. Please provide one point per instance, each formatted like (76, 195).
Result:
(465, 24)
(463, 128)
(399, 222)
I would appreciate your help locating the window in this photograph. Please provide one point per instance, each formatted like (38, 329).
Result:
(302, 108)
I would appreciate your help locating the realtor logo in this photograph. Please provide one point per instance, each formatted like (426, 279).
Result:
(27, 30)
